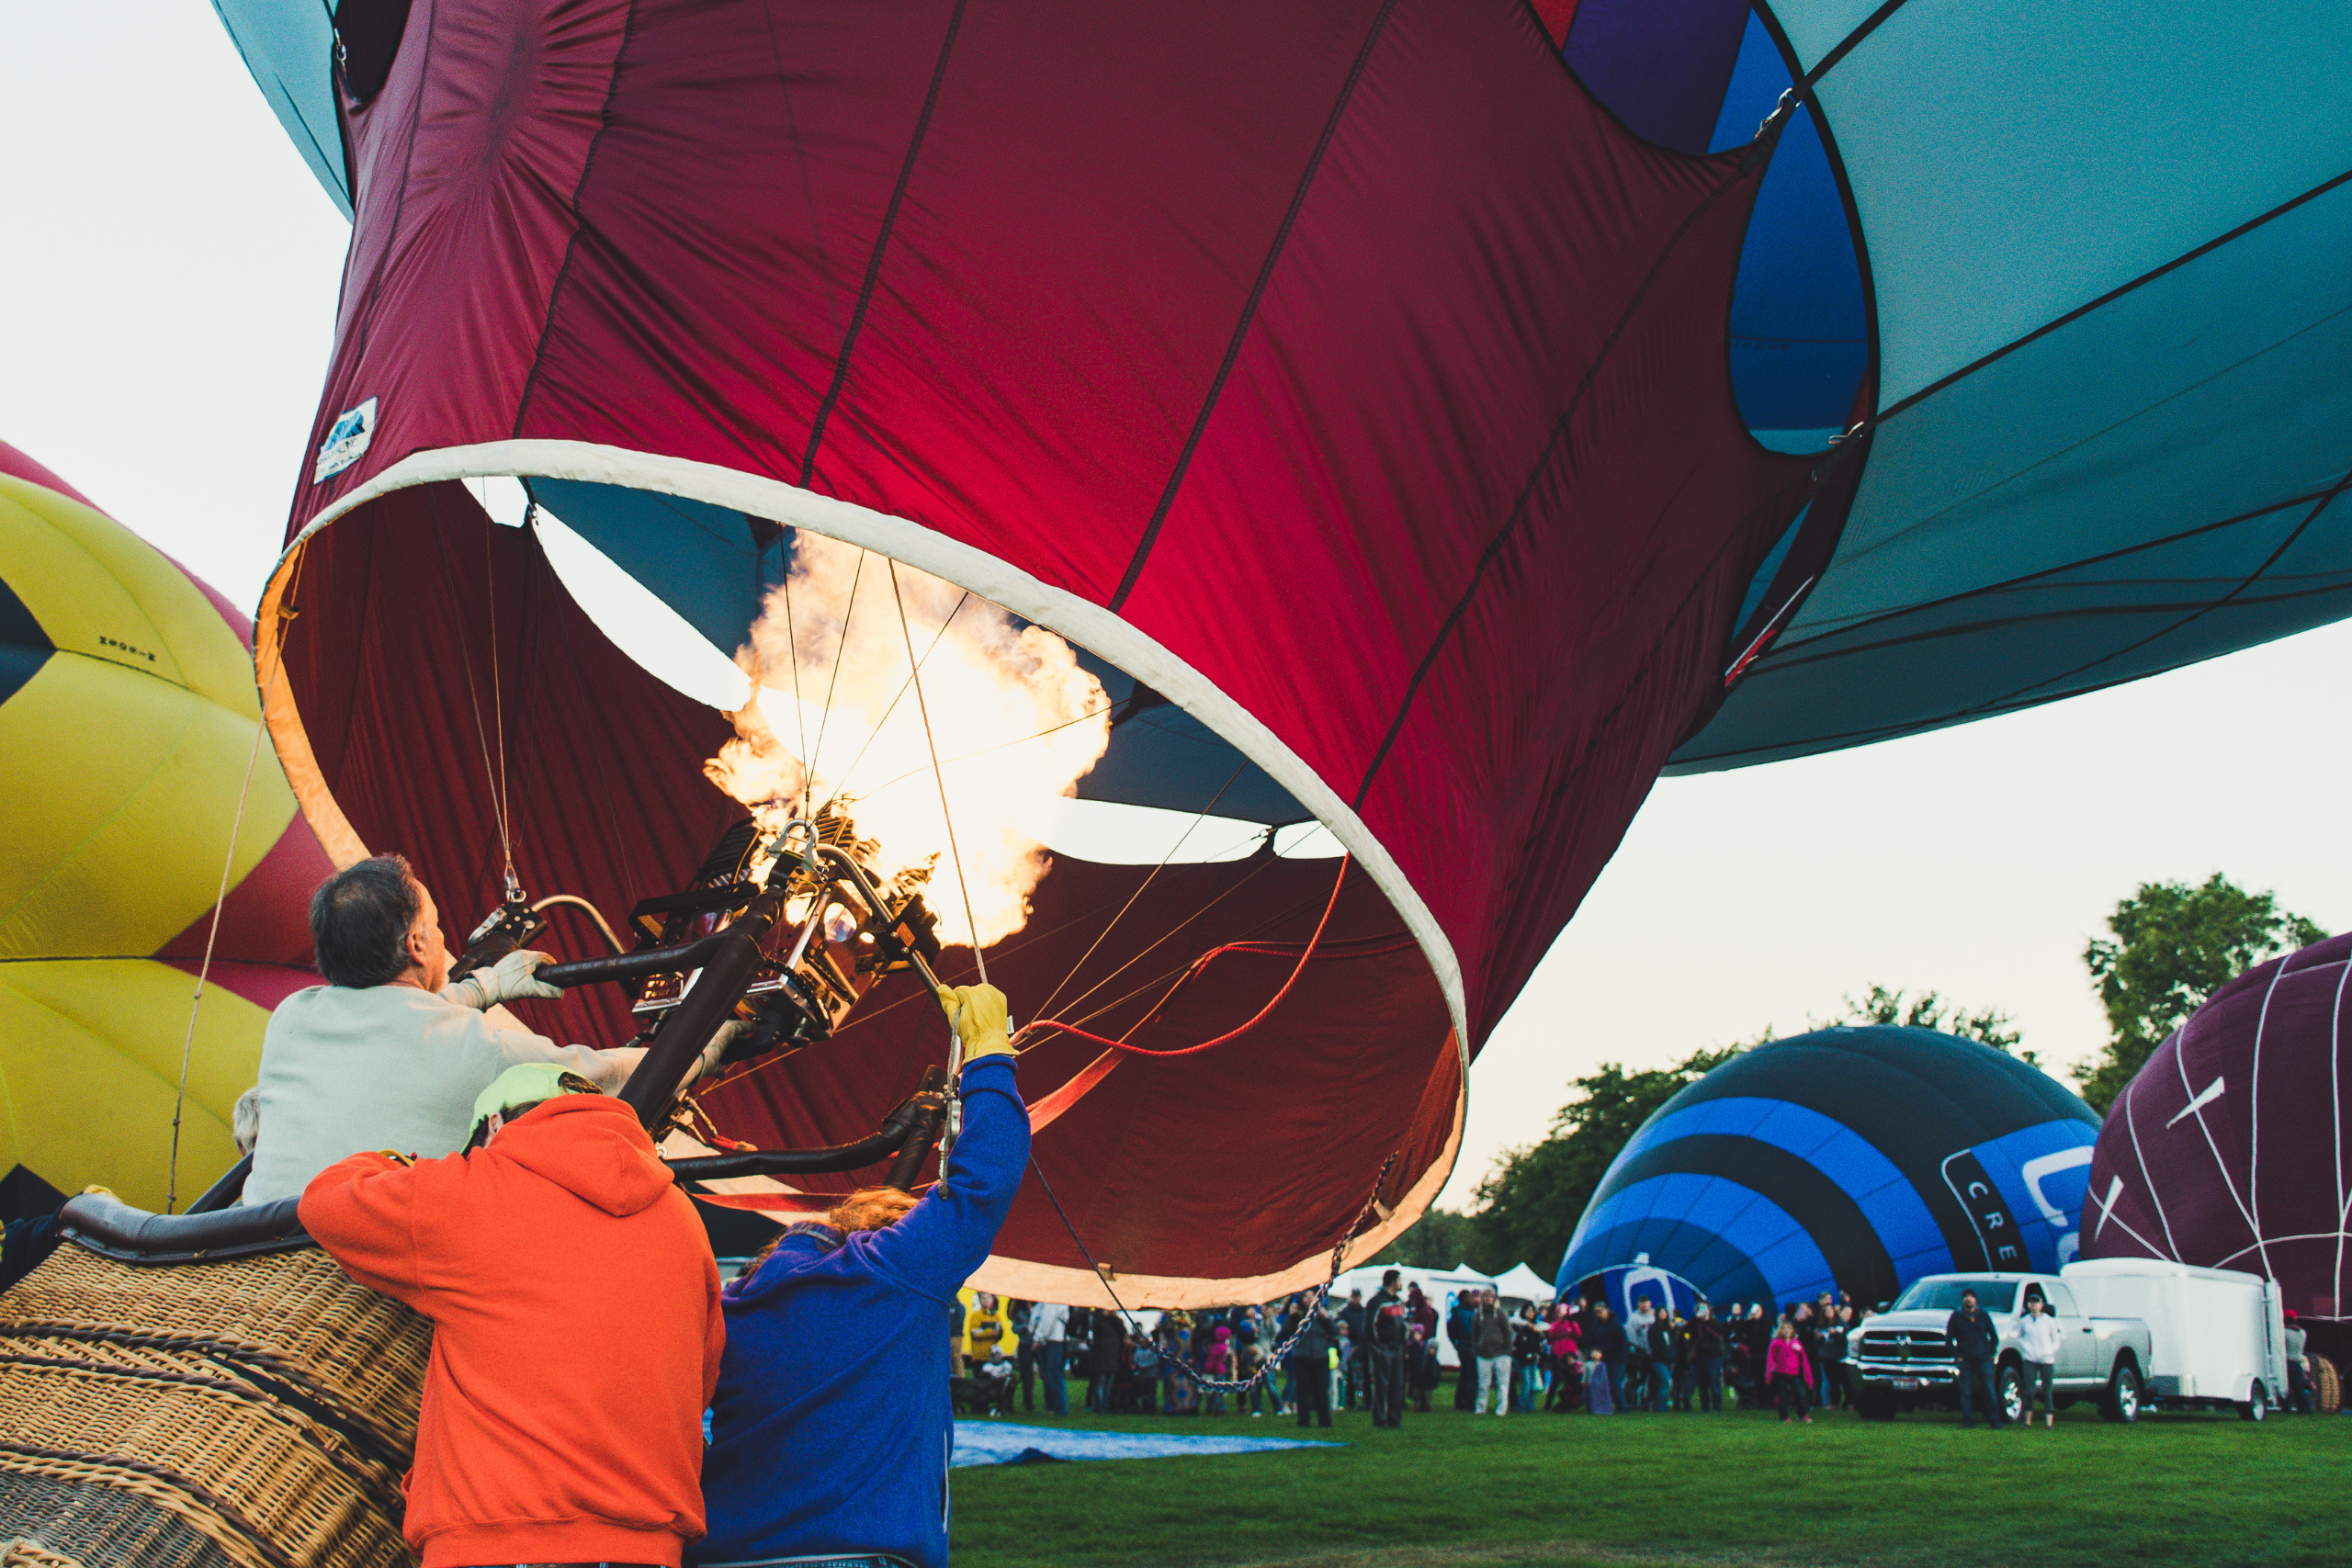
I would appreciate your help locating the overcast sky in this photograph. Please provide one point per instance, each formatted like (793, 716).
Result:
(166, 293)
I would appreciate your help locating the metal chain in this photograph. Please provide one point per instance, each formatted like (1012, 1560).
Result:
(1281, 1352)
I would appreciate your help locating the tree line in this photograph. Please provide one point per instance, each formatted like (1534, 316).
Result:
(2170, 947)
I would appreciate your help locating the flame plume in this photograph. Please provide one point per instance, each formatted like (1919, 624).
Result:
(1016, 722)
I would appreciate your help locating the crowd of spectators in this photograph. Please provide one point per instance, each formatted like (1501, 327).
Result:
(1383, 1355)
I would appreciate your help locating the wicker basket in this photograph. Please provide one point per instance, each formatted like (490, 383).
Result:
(2327, 1388)
(256, 1413)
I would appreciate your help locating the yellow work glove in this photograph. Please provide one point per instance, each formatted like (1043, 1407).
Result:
(979, 1013)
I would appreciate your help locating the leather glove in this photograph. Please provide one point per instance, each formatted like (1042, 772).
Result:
(979, 1015)
(713, 1061)
(507, 980)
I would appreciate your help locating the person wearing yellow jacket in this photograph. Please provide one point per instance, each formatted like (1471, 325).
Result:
(987, 1324)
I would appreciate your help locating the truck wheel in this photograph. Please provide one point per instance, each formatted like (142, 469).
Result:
(2008, 1390)
(1873, 1404)
(2121, 1401)
(2258, 1403)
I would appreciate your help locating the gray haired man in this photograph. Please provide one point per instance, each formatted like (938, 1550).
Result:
(388, 1054)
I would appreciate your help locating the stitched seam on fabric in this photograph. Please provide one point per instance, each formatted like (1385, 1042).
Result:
(1551, 443)
(1643, 671)
(400, 203)
(881, 246)
(1846, 46)
(2010, 584)
(1250, 307)
(2020, 698)
(2202, 610)
(2249, 227)
(579, 221)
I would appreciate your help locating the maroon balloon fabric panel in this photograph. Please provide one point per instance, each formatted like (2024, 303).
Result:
(1345, 349)
(2229, 1149)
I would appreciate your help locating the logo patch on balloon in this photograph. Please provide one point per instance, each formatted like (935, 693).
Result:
(346, 443)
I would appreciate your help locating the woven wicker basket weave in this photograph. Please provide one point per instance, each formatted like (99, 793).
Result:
(256, 1413)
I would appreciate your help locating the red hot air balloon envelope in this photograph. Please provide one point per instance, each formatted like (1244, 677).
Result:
(2228, 1149)
(1409, 443)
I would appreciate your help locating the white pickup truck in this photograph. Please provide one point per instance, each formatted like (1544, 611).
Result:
(2133, 1333)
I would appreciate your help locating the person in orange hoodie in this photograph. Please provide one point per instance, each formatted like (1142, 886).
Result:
(535, 1447)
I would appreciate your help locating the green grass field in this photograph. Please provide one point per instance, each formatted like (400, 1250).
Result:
(1738, 1488)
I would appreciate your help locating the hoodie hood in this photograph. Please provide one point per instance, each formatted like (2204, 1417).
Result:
(590, 1145)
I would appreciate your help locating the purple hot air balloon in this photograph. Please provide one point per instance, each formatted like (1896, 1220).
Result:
(2229, 1149)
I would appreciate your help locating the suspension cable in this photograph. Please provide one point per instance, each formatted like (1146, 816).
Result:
(498, 693)
(914, 677)
(1056, 1026)
(1104, 935)
(1282, 1351)
(825, 716)
(204, 970)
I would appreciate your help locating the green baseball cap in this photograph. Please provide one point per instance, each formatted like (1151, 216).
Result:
(527, 1085)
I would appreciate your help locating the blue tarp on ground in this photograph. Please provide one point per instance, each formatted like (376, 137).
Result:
(1001, 1442)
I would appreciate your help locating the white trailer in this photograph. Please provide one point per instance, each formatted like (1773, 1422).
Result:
(2215, 1335)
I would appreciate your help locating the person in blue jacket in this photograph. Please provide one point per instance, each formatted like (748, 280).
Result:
(832, 1427)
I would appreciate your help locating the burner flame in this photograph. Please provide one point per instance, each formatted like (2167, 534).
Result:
(834, 719)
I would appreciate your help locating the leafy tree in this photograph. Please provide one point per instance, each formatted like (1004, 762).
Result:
(1439, 1240)
(1532, 1199)
(1929, 1011)
(2172, 947)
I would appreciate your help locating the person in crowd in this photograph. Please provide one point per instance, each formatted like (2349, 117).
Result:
(1248, 1360)
(956, 1310)
(1836, 1337)
(1024, 1360)
(986, 1324)
(1800, 1317)
(1567, 1360)
(830, 1430)
(1049, 1331)
(1422, 1310)
(1526, 1361)
(2299, 1375)
(2038, 1343)
(1608, 1340)
(1386, 1331)
(1974, 1341)
(1598, 1398)
(1108, 1342)
(1492, 1342)
(1755, 1337)
(1312, 1356)
(1352, 1362)
(1461, 1333)
(389, 1053)
(1791, 1375)
(524, 1452)
(992, 1379)
(1634, 1393)
(1705, 1339)
(1170, 1343)
(1217, 1362)
(1664, 1348)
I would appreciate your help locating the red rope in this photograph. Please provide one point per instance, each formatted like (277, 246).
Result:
(1057, 1027)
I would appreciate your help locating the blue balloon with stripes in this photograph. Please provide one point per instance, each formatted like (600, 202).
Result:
(1851, 1160)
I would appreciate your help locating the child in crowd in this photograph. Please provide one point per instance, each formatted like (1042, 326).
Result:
(1596, 1387)
(995, 1378)
(1791, 1371)
(1217, 1362)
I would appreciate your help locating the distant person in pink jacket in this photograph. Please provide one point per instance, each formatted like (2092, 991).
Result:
(1791, 1374)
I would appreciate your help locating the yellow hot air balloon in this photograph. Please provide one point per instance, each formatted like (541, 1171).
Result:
(127, 723)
